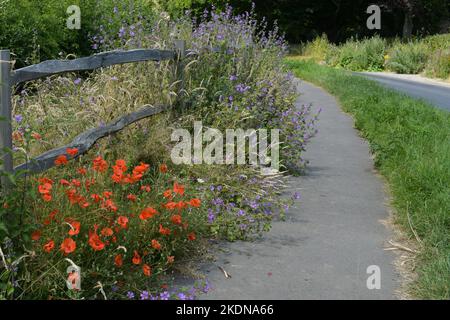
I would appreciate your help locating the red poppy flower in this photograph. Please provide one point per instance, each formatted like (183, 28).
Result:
(156, 245)
(61, 160)
(176, 219)
(36, 235)
(106, 232)
(68, 246)
(170, 259)
(83, 203)
(181, 204)
(110, 205)
(164, 231)
(122, 221)
(138, 172)
(45, 188)
(107, 194)
(45, 180)
(146, 188)
(64, 182)
(96, 197)
(48, 247)
(76, 227)
(191, 236)
(178, 188)
(76, 183)
(195, 202)
(147, 270)
(168, 194)
(36, 136)
(147, 213)
(99, 164)
(118, 260)
(72, 151)
(82, 171)
(136, 258)
(170, 205)
(53, 213)
(163, 168)
(131, 197)
(47, 197)
(95, 242)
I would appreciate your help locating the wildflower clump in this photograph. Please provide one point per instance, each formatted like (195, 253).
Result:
(115, 221)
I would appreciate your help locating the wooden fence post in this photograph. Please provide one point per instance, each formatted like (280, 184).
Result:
(180, 46)
(5, 116)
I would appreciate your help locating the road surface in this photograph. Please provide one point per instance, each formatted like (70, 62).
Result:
(434, 92)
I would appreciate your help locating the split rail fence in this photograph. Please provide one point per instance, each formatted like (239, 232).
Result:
(83, 142)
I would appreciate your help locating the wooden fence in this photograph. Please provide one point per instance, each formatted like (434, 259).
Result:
(84, 141)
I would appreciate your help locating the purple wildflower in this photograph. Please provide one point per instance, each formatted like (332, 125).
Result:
(165, 295)
(18, 118)
(242, 88)
(130, 295)
(211, 216)
(144, 295)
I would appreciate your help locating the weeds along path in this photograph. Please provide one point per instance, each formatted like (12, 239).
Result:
(326, 244)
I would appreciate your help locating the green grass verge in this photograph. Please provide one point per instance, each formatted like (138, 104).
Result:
(411, 144)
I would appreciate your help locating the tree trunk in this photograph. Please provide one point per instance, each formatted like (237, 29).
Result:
(407, 25)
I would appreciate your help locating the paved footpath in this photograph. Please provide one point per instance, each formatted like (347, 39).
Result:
(324, 247)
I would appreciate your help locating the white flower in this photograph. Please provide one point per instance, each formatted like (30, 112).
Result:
(165, 16)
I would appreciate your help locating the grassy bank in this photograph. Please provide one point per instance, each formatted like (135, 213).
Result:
(411, 144)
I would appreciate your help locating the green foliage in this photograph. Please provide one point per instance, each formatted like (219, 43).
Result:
(429, 54)
(439, 41)
(409, 58)
(36, 30)
(438, 65)
(318, 48)
(409, 139)
(367, 54)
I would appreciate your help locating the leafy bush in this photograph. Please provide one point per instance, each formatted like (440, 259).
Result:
(318, 48)
(36, 30)
(409, 58)
(438, 64)
(376, 54)
(367, 54)
(436, 42)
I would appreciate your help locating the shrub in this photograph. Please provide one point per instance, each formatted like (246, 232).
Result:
(409, 58)
(438, 41)
(318, 48)
(365, 55)
(36, 30)
(438, 64)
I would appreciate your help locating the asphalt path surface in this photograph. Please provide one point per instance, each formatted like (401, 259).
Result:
(428, 90)
(332, 241)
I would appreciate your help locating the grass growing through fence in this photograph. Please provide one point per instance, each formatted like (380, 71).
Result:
(411, 143)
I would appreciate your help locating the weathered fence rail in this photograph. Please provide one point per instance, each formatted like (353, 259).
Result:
(84, 141)
(97, 61)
